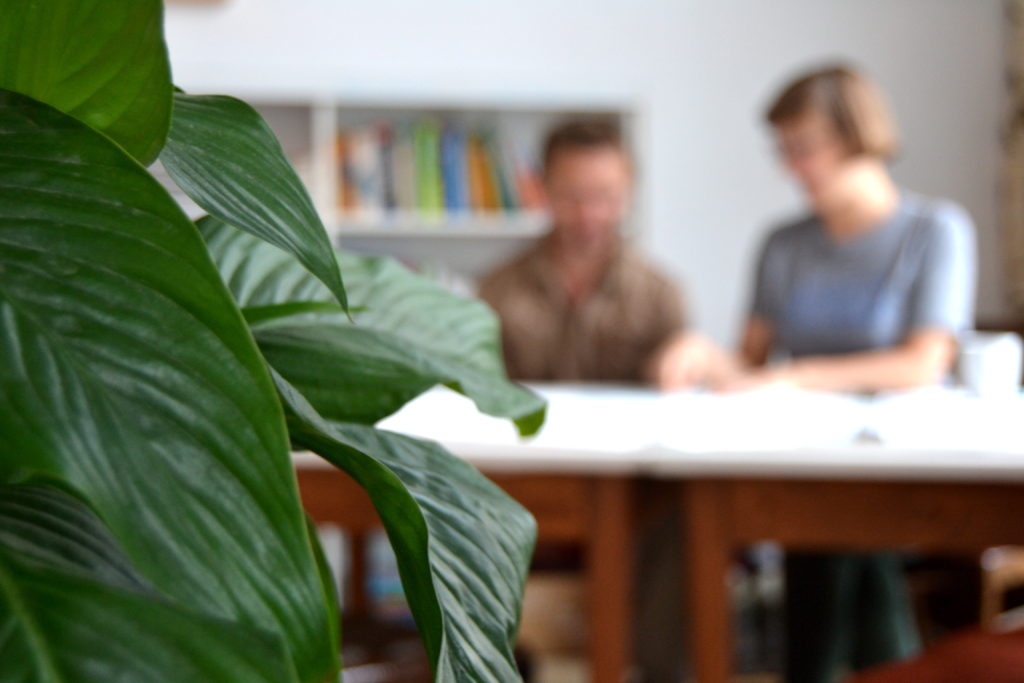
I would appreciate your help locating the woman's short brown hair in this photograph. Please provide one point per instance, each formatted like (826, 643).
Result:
(849, 100)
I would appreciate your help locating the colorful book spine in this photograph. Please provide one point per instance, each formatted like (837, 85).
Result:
(367, 172)
(404, 163)
(423, 167)
(475, 173)
(454, 172)
(485, 192)
(501, 170)
(348, 195)
(429, 189)
(527, 179)
(386, 138)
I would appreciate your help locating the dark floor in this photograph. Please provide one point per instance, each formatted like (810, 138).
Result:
(945, 593)
(378, 651)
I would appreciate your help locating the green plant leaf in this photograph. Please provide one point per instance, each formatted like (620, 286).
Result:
(101, 62)
(327, 580)
(127, 371)
(463, 546)
(71, 603)
(410, 334)
(357, 374)
(224, 156)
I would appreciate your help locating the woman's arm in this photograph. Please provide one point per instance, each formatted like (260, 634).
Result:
(940, 303)
(923, 359)
(758, 338)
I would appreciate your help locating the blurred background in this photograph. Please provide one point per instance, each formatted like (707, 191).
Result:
(417, 127)
(687, 78)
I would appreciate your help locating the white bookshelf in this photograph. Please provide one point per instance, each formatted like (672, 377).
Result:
(483, 225)
(467, 242)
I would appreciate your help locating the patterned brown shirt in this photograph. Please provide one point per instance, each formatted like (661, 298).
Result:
(608, 337)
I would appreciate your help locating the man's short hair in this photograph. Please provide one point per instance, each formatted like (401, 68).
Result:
(582, 135)
(849, 100)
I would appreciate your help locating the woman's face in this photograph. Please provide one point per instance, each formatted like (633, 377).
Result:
(812, 152)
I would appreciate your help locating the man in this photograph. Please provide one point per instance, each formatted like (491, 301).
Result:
(581, 305)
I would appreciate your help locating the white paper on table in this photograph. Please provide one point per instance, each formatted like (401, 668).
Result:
(581, 419)
(938, 420)
(767, 428)
(444, 415)
(766, 420)
(779, 432)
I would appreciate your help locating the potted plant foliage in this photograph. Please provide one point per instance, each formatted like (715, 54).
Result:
(156, 373)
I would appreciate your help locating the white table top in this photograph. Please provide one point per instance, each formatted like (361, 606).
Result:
(930, 434)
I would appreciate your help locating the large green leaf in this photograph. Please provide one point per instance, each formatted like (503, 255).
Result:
(463, 546)
(224, 156)
(127, 371)
(100, 61)
(72, 608)
(410, 334)
(357, 374)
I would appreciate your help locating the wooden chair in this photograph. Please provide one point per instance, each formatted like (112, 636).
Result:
(973, 655)
(1002, 569)
(992, 652)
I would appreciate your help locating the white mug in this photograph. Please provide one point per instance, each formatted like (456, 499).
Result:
(990, 363)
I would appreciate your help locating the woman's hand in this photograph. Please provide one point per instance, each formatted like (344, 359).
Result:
(688, 360)
(757, 379)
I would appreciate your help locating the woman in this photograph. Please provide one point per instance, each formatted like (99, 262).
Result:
(868, 292)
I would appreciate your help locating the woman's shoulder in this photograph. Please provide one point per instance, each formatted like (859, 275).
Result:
(934, 218)
(934, 210)
(790, 232)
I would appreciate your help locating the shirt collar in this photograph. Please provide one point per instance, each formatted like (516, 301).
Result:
(545, 271)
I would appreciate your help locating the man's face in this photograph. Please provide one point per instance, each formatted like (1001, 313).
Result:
(588, 194)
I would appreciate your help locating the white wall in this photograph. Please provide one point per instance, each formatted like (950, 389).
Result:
(700, 70)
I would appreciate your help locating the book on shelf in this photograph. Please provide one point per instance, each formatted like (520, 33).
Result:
(434, 172)
(429, 193)
(387, 165)
(526, 179)
(347, 199)
(501, 177)
(404, 168)
(483, 187)
(454, 171)
(367, 174)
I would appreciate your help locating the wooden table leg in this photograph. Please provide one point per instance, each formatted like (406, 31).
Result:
(609, 565)
(708, 552)
(358, 572)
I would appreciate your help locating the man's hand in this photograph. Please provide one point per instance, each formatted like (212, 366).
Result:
(689, 360)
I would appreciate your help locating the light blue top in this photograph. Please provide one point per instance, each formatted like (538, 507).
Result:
(915, 271)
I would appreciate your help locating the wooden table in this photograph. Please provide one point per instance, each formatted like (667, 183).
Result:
(588, 510)
(933, 472)
(808, 471)
(723, 515)
(578, 488)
